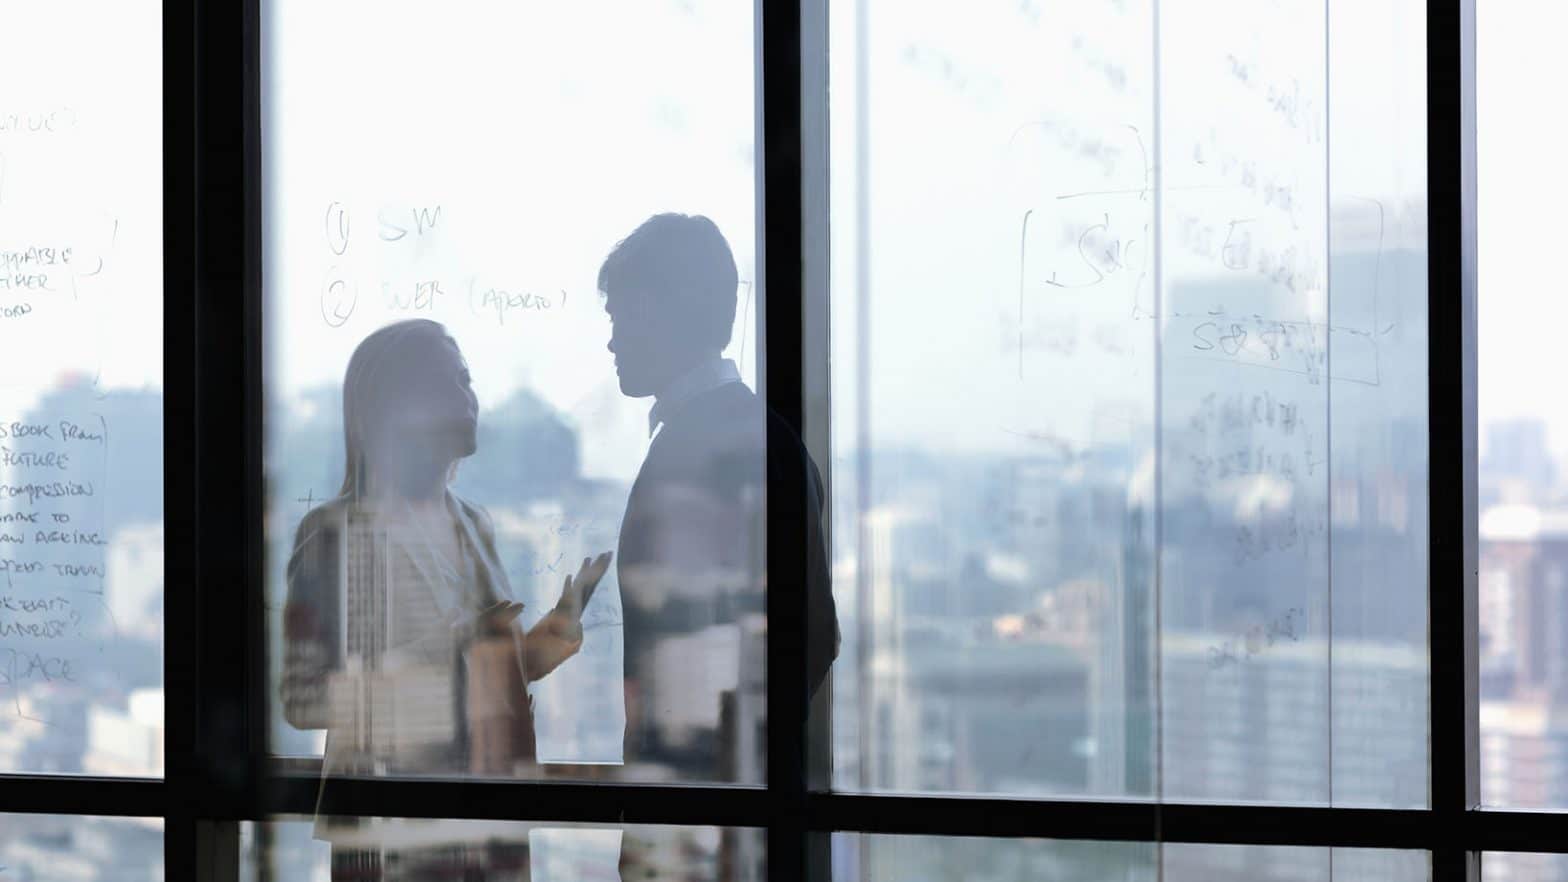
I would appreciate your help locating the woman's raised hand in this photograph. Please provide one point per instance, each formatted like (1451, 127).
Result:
(558, 636)
(578, 589)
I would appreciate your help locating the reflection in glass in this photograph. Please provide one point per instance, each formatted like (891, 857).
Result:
(400, 634)
(694, 535)
(80, 849)
(859, 858)
(531, 220)
(1153, 524)
(505, 851)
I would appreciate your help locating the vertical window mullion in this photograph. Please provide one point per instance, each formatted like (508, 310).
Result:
(1452, 538)
(179, 421)
(814, 347)
(219, 627)
(781, 247)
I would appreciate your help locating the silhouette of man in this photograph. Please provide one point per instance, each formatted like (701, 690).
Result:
(691, 558)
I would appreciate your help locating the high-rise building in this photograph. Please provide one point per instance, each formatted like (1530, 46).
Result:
(1524, 586)
(1263, 726)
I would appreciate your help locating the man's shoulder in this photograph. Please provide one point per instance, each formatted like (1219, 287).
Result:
(730, 399)
(722, 417)
(732, 417)
(731, 430)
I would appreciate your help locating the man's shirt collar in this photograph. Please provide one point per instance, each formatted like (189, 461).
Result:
(705, 377)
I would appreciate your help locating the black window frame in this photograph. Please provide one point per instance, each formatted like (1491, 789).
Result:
(217, 773)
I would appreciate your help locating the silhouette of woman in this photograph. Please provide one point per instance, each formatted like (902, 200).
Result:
(400, 636)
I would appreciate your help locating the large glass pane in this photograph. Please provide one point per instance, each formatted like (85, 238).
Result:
(1513, 866)
(1129, 352)
(478, 315)
(81, 399)
(868, 858)
(1187, 862)
(1523, 433)
(80, 849)
(497, 851)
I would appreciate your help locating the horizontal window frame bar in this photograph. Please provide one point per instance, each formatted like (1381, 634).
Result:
(1475, 830)
(85, 796)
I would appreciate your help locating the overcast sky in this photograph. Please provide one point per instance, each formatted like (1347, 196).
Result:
(544, 136)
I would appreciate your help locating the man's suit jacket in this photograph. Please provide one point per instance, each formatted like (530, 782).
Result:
(691, 572)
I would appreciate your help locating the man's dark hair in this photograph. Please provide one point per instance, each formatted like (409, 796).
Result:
(683, 262)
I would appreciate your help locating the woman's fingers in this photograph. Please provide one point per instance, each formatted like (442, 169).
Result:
(576, 590)
(593, 569)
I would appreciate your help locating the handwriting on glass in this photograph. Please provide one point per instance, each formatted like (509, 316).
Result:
(52, 549)
(1288, 626)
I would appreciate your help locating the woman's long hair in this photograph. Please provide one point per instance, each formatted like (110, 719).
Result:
(366, 394)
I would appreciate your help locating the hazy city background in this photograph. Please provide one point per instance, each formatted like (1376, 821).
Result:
(1077, 550)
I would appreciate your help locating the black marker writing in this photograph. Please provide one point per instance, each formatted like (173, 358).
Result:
(46, 490)
(17, 667)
